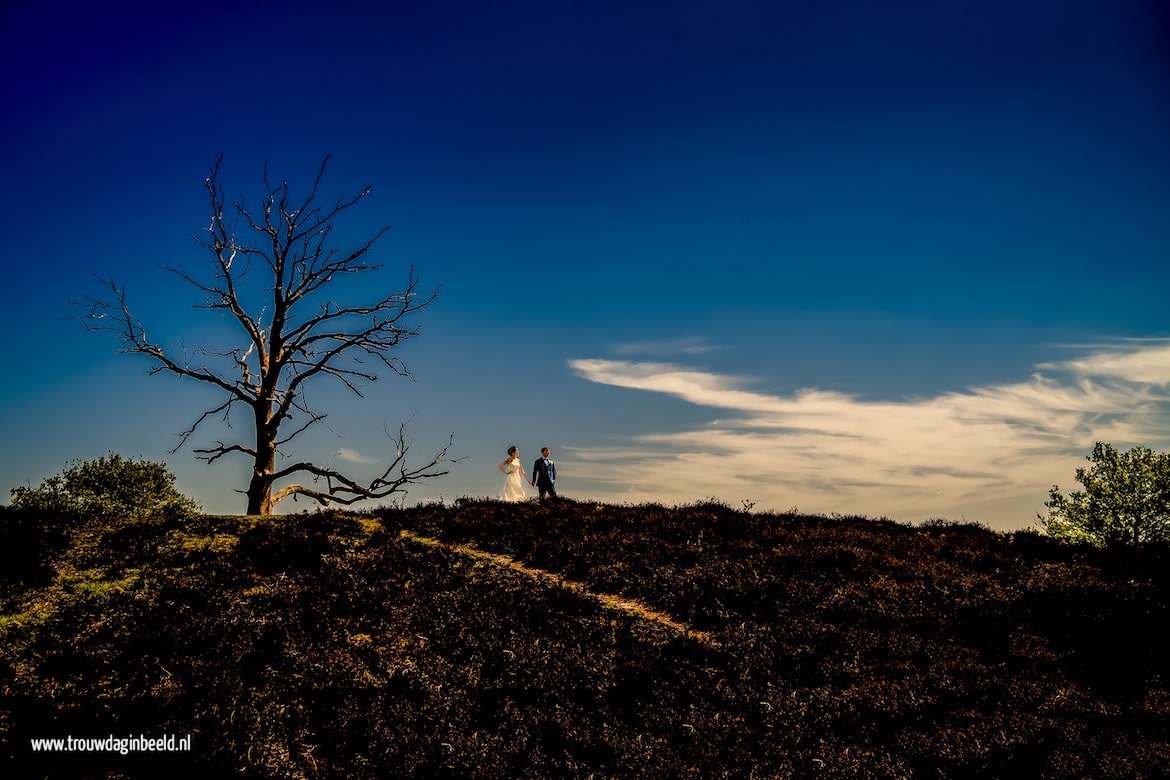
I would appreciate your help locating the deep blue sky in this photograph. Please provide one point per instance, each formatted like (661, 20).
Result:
(903, 259)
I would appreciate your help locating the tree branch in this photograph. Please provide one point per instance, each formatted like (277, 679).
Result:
(343, 490)
(102, 315)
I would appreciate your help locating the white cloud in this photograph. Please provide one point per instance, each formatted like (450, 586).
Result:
(987, 454)
(692, 345)
(352, 456)
(1146, 361)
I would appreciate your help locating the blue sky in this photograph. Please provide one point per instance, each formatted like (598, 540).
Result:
(900, 259)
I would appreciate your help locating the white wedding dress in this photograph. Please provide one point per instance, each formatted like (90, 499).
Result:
(513, 484)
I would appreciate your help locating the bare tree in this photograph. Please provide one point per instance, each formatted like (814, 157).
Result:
(297, 335)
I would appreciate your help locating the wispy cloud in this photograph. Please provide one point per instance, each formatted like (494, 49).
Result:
(986, 453)
(1145, 360)
(693, 345)
(352, 456)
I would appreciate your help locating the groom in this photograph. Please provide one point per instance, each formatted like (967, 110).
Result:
(544, 474)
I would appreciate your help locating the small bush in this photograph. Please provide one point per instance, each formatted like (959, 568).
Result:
(109, 487)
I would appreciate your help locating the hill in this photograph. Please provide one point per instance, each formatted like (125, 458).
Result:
(572, 639)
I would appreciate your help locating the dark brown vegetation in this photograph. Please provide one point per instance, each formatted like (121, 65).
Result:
(331, 645)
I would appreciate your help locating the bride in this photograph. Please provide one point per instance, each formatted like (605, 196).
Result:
(513, 473)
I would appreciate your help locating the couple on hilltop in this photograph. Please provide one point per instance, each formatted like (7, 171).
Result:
(544, 475)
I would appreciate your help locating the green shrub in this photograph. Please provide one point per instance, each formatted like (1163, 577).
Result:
(109, 487)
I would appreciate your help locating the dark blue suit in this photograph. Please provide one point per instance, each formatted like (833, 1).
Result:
(544, 474)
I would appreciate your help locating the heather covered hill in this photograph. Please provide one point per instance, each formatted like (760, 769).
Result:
(576, 639)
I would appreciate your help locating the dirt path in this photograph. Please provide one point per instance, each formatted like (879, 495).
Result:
(628, 606)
